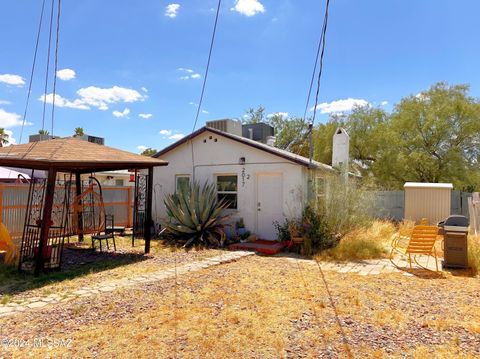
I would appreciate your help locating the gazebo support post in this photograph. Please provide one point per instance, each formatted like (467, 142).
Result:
(46, 219)
(78, 189)
(148, 212)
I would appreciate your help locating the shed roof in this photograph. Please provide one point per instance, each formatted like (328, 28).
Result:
(261, 146)
(428, 185)
(72, 154)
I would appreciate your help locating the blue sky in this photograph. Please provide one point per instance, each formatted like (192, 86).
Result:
(148, 58)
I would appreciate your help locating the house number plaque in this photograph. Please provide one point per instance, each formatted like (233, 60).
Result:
(245, 176)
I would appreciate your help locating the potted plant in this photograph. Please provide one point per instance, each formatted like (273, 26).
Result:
(295, 231)
(240, 226)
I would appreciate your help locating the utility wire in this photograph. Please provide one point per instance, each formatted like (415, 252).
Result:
(313, 72)
(320, 54)
(48, 65)
(323, 39)
(32, 70)
(56, 63)
(208, 65)
(204, 84)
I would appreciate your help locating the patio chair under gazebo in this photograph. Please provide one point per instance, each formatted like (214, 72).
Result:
(45, 221)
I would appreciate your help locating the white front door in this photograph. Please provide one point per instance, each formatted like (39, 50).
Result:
(269, 204)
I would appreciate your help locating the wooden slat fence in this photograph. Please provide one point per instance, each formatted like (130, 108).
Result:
(13, 204)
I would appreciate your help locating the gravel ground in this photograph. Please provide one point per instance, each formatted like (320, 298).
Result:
(262, 307)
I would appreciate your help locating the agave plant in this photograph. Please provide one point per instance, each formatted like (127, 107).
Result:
(195, 215)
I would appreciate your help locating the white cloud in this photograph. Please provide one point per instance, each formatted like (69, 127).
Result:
(177, 136)
(4, 102)
(168, 134)
(142, 148)
(421, 96)
(340, 105)
(281, 114)
(13, 80)
(188, 74)
(205, 112)
(384, 103)
(102, 97)
(248, 7)
(146, 116)
(96, 97)
(66, 74)
(171, 10)
(10, 119)
(144, 89)
(63, 102)
(119, 114)
(193, 103)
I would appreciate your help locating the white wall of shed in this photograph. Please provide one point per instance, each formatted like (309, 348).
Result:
(431, 203)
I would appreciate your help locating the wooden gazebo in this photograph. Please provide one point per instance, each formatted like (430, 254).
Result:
(77, 157)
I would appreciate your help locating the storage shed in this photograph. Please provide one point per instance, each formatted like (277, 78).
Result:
(427, 200)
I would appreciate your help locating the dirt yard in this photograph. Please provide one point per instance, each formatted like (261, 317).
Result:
(260, 307)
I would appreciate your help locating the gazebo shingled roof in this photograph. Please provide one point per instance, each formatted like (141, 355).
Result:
(73, 155)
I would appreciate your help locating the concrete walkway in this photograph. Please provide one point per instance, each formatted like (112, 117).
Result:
(108, 286)
(365, 267)
(374, 266)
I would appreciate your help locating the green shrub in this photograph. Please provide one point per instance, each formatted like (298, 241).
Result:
(317, 233)
(195, 216)
(283, 235)
(345, 206)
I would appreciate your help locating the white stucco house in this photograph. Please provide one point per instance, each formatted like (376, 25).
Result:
(262, 183)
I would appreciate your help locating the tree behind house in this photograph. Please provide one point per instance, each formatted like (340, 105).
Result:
(4, 137)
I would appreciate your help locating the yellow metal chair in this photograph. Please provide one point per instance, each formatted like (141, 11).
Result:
(7, 246)
(420, 241)
(424, 222)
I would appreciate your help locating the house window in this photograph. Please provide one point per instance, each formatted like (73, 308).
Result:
(320, 187)
(119, 182)
(227, 190)
(182, 183)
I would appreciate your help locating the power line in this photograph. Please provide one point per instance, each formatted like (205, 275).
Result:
(56, 63)
(323, 38)
(204, 84)
(208, 65)
(313, 72)
(32, 70)
(48, 66)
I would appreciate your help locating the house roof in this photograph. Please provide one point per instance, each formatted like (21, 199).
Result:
(72, 154)
(7, 173)
(246, 141)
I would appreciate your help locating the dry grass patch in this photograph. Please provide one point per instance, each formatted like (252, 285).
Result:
(474, 254)
(265, 307)
(89, 268)
(363, 243)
